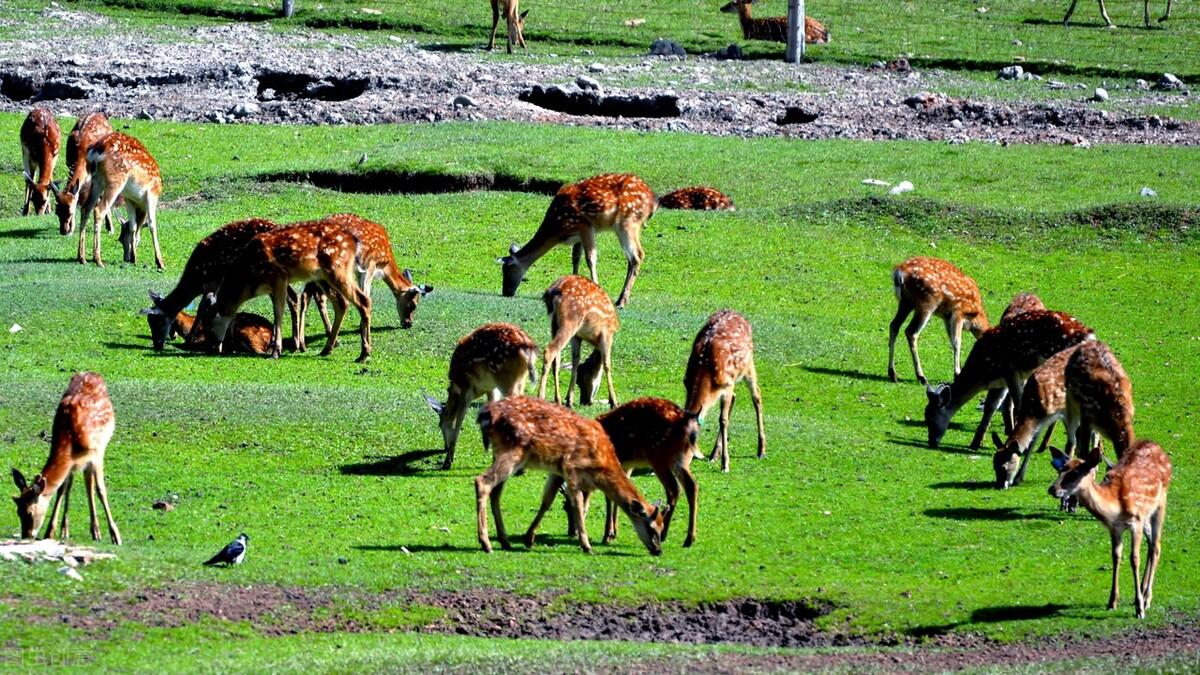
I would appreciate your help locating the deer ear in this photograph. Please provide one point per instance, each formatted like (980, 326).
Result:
(996, 441)
(75, 190)
(1057, 459)
(39, 484)
(426, 289)
(19, 480)
(54, 188)
(524, 14)
(636, 508)
(155, 297)
(433, 403)
(151, 311)
(512, 249)
(407, 274)
(29, 179)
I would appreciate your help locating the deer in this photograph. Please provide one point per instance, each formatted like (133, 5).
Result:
(88, 130)
(83, 426)
(120, 166)
(927, 287)
(775, 28)
(722, 355)
(696, 199)
(1099, 396)
(40, 141)
(1133, 497)
(620, 202)
(317, 250)
(579, 311)
(248, 333)
(514, 20)
(493, 360)
(1000, 361)
(531, 433)
(1108, 22)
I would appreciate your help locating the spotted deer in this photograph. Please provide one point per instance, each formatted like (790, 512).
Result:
(1133, 497)
(697, 199)
(88, 131)
(928, 287)
(493, 360)
(531, 433)
(1021, 303)
(620, 202)
(121, 166)
(579, 311)
(40, 141)
(1099, 396)
(1109, 22)
(1002, 359)
(318, 250)
(83, 426)
(376, 260)
(247, 334)
(515, 20)
(723, 354)
(775, 28)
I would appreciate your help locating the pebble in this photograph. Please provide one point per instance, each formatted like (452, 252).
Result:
(1100, 95)
(1010, 73)
(588, 83)
(464, 101)
(901, 188)
(597, 68)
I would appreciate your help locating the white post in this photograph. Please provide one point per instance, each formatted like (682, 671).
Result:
(795, 35)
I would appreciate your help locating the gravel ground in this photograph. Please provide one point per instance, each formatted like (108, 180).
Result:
(249, 73)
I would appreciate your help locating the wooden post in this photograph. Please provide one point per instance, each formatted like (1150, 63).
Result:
(795, 35)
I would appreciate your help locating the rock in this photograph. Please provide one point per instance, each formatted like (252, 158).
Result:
(65, 88)
(797, 115)
(665, 47)
(923, 100)
(70, 573)
(343, 561)
(899, 66)
(588, 83)
(1141, 85)
(1080, 85)
(1055, 84)
(732, 52)
(1010, 73)
(878, 65)
(594, 103)
(1100, 95)
(1168, 82)
(15, 328)
(464, 101)
(875, 181)
(244, 109)
(145, 115)
(901, 188)
(1018, 43)
(957, 124)
(164, 506)
(1149, 193)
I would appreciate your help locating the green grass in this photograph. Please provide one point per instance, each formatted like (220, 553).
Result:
(849, 506)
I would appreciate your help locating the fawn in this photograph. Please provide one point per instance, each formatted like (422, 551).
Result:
(697, 199)
(1109, 22)
(775, 28)
(40, 141)
(83, 425)
(927, 287)
(1099, 396)
(120, 166)
(620, 202)
(531, 433)
(89, 130)
(1043, 402)
(492, 360)
(515, 22)
(579, 311)
(723, 354)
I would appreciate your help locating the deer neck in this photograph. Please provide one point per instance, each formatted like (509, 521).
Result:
(58, 465)
(971, 380)
(1101, 500)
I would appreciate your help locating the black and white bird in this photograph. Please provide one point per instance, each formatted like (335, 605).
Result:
(232, 554)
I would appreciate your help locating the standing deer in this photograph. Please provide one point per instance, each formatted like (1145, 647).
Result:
(696, 199)
(1002, 358)
(927, 287)
(88, 131)
(775, 28)
(120, 166)
(514, 20)
(492, 360)
(40, 140)
(723, 354)
(83, 425)
(620, 202)
(375, 259)
(579, 311)
(530, 433)
(1109, 22)
(1132, 497)
(1099, 396)
(318, 250)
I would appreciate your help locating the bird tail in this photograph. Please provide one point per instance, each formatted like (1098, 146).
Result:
(213, 560)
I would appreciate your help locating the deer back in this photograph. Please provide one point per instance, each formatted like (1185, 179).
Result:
(41, 137)
(576, 304)
(492, 353)
(1020, 345)
(119, 157)
(696, 198)
(549, 437)
(88, 131)
(647, 429)
(938, 286)
(1021, 303)
(84, 419)
(721, 353)
(1097, 384)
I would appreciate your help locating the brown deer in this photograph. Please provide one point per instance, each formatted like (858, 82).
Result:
(620, 202)
(1109, 22)
(88, 131)
(723, 354)
(120, 166)
(40, 141)
(318, 250)
(775, 28)
(375, 259)
(696, 199)
(1132, 497)
(530, 433)
(579, 311)
(1099, 396)
(492, 360)
(927, 287)
(1002, 358)
(248, 333)
(1021, 303)
(83, 425)
(514, 20)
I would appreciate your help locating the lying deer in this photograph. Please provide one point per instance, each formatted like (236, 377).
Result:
(492, 360)
(83, 425)
(696, 199)
(620, 202)
(928, 287)
(514, 20)
(40, 141)
(723, 354)
(775, 28)
(1132, 497)
(579, 311)
(120, 166)
(530, 433)
(1109, 22)
(88, 131)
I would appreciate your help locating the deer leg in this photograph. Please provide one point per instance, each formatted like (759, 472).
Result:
(1115, 594)
(920, 318)
(550, 362)
(574, 369)
(89, 484)
(1154, 531)
(485, 483)
(756, 398)
(339, 309)
(102, 491)
(1070, 11)
(576, 255)
(1104, 13)
(587, 239)
(1162, 18)
(902, 313)
(52, 528)
(990, 403)
(628, 236)
(549, 493)
(1135, 562)
(954, 332)
(692, 491)
(605, 347)
(671, 488)
(495, 23)
(458, 422)
(150, 217)
(580, 512)
(1020, 477)
(279, 301)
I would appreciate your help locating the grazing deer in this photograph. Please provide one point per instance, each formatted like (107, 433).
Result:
(88, 131)
(1043, 403)
(40, 140)
(492, 360)
(120, 166)
(579, 311)
(927, 287)
(723, 354)
(620, 202)
(697, 199)
(1109, 22)
(530, 433)
(514, 20)
(318, 250)
(775, 28)
(1132, 497)
(1099, 396)
(1021, 303)
(83, 425)
(1002, 358)
(376, 260)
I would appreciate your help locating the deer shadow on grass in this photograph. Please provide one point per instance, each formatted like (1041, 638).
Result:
(408, 464)
(998, 514)
(965, 485)
(417, 548)
(26, 233)
(993, 615)
(922, 444)
(840, 372)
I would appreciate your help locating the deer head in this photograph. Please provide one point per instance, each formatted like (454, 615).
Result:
(65, 203)
(1006, 462)
(588, 377)
(447, 415)
(406, 302)
(162, 326)
(514, 271)
(649, 524)
(130, 235)
(31, 503)
(937, 412)
(1072, 471)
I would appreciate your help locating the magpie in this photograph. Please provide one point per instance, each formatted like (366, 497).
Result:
(232, 554)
